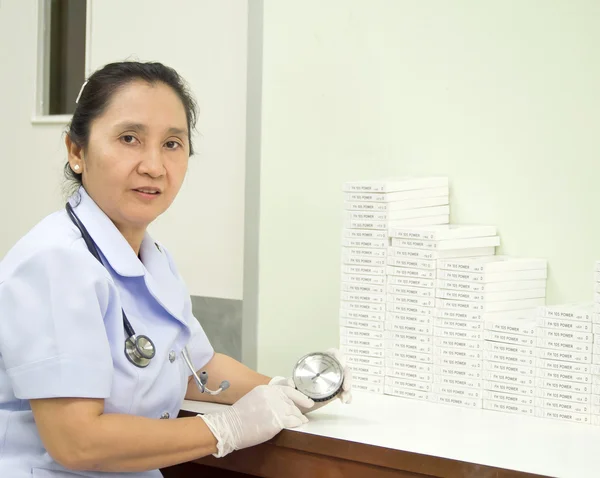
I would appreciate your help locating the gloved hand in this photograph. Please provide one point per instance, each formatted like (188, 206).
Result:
(345, 395)
(256, 417)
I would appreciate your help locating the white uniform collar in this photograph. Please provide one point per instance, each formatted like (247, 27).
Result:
(108, 238)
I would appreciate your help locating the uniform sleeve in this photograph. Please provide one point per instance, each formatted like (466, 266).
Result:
(199, 347)
(52, 336)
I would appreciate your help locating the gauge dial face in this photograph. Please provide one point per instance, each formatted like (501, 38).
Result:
(318, 376)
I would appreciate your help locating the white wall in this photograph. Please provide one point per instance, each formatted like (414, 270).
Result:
(502, 96)
(206, 42)
(32, 155)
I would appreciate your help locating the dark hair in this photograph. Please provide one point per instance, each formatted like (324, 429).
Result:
(105, 82)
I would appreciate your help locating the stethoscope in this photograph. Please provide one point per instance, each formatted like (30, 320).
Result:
(139, 349)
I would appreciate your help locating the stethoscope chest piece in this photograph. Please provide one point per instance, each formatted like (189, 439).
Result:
(139, 350)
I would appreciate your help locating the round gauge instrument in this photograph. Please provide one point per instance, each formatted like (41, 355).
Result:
(318, 376)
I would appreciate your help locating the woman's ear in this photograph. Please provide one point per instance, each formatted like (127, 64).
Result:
(75, 154)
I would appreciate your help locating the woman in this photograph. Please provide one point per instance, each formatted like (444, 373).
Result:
(77, 398)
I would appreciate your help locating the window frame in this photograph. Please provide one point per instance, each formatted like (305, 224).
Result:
(40, 113)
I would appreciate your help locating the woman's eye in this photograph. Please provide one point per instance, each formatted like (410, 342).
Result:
(172, 145)
(128, 139)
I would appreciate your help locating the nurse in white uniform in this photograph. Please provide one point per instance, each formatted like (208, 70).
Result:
(74, 400)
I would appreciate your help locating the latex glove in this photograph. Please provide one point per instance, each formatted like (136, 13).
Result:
(346, 394)
(257, 417)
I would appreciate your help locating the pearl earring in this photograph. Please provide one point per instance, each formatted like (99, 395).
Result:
(76, 167)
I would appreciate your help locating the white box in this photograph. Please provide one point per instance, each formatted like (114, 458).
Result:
(408, 384)
(365, 360)
(366, 370)
(364, 280)
(595, 400)
(440, 200)
(400, 281)
(398, 215)
(363, 306)
(409, 318)
(595, 327)
(494, 264)
(509, 368)
(508, 407)
(385, 225)
(458, 381)
(409, 263)
(445, 245)
(457, 362)
(394, 289)
(390, 185)
(409, 328)
(504, 348)
(458, 343)
(564, 345)
(507, 358)
(526, 327)
(364, 261)
(409, 309)
(359, 342)
(457, 401)
(441, 233)
(512, 388)
(397, 196)
(439, 254)
(458, 324)
(486, 297)
(408, 337)
(565, 356)
(369, 352)
(381, 244)
(409, 366)
(458, 333)
(564, 376)
(364, 252)
(489, 306)
(576, 311)
(504, 337)
(560, 405)
(561, 366)
(363, 324)
(407, 346)
(367, 387)
(566, 396)
(458, 353)
(405, 393)
(524, 380)
(409, 356)
(407, 272)
(408, 375)
(361, 315)
(464, 392)
(565, 335)
(370, 379)
(365, 234)
(353, 269)
(480, 287)
(416, 301)
(360, 288)
(362, 333)
(563, 416)
(560, 324)
(596, 348)
(481, 316)
(362, 297)
(458, 372)
(491, 278)
(509, 397)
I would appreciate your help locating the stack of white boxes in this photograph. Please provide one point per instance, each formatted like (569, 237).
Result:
(371, 208)
(596, 348)
(509, 362)
(564, 379)
(470, 293)
(411, 309)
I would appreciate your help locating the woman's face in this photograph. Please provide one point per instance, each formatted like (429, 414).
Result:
(137, 154)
